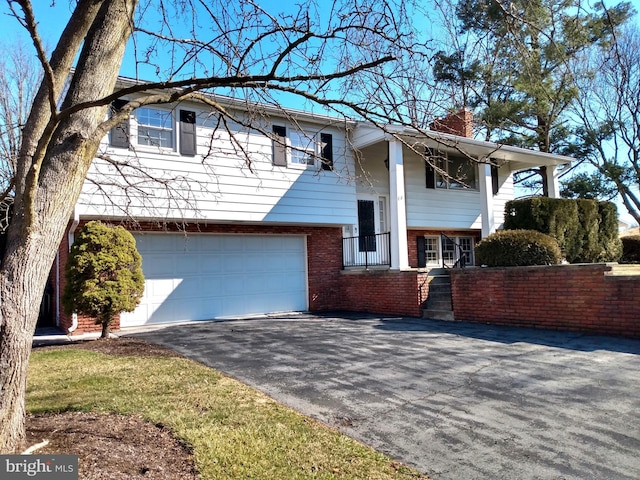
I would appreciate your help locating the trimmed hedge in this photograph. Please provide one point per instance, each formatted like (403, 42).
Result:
(514, 248)
(104, 274)
(630, 249)
(608, 237)
(586, 230)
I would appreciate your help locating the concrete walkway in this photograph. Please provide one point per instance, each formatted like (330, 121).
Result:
(456, 401)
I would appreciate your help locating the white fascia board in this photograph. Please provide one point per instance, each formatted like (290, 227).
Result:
(366, 134)
(483, 149)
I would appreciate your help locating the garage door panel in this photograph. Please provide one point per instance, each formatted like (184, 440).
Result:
(210, 263)
(188, 265)
(199, 277)
(158, 266)
(160, 288)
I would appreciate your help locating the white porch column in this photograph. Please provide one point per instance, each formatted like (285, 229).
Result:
(397, 209)
(552, 181)
(486, 200)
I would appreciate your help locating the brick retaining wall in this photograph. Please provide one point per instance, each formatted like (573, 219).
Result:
(388, 292)
(590, 298)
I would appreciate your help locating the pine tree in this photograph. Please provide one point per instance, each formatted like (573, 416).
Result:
(521, 79)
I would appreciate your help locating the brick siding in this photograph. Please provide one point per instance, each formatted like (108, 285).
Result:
(388, 292)
(593, 298)
(458, 123)
(324, 247)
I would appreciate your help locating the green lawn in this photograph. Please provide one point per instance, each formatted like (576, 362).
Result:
(234, 430)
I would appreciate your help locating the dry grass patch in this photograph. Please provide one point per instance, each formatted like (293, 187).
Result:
(233, 430)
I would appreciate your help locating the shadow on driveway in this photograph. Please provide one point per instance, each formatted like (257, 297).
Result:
(455, 400)
(505, 334)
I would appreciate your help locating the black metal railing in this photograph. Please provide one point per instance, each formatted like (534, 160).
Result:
(453, 255)
(366, 250)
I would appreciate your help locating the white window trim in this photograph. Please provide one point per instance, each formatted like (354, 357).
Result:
(438, 260)
(153, 148)
(313, 149)
(383, 214)
(440, 249)
(444, 156)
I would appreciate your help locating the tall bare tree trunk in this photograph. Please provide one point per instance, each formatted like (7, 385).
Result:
(49, 180)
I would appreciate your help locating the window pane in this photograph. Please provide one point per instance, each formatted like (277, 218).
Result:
(463, 173)
(302, 149)
(448, 251)
(466, 245)
(431, 246)
(382, 214)
(155, 138)
(153, 117)
(301, 158)
(155, 127)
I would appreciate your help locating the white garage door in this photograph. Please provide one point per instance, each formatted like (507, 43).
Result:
(199, 277)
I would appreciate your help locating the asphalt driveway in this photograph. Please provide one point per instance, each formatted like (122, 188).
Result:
(454, 400)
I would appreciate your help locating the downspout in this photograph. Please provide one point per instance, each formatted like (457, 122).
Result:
(72, 230)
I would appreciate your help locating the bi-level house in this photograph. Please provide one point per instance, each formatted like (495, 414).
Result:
(298, 212)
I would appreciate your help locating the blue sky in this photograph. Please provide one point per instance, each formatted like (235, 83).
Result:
(53, 16)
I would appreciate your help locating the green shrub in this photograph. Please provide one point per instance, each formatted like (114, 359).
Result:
(610, 247)
(104, 274)
(587, 241)
(511, 248)
(557, 217)
(586, 230)
(630, 249)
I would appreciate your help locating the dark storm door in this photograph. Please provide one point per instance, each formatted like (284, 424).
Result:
(366, 226)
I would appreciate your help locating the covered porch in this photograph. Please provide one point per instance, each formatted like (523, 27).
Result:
(435, 183)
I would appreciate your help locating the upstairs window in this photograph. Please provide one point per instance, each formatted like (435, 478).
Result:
(453, 172)
(300, 149)
(303, 149)
(155, 127)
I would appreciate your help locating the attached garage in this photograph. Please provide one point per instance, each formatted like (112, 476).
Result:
(204, 276)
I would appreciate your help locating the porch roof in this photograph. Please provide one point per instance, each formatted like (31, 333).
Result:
(365, 135)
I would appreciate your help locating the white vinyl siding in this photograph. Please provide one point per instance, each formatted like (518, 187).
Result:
(434, 207)
(218, 184)
(505, 194)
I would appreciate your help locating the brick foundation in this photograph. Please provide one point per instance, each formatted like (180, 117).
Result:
(324, 248)
(330, 288)
(590, 298)
(388, 292)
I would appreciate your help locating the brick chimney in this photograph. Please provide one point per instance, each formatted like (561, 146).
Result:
(459, 123)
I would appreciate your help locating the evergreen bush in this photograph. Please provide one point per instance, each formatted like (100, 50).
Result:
(586, 230)
(610, 246)
(104, 274)
(587, 241)
(511, 248)
(557, 217)
(630, 249)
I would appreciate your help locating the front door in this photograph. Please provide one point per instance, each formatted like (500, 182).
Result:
(366, 226)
